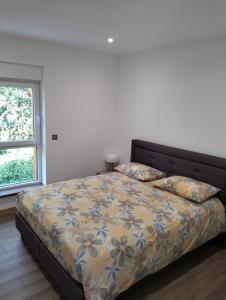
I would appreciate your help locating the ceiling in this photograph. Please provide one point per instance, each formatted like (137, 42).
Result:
(135, 24)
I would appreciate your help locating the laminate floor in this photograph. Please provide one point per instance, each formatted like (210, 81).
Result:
(199, 275)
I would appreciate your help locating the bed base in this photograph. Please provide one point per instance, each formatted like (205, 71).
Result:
(221, 240)
(69, 287)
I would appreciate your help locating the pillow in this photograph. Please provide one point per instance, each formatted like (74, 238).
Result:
(187, 188)
(140, 172)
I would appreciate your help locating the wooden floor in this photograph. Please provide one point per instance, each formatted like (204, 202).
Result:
(7, 205)
(20, 276)
(199, 275)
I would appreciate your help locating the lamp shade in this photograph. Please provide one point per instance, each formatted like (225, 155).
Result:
(112, 158)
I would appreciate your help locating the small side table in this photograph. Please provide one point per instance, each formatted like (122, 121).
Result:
(103, 172)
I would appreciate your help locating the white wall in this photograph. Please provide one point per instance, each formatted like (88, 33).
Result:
(79, 103)
(175, 96)
(97, 102)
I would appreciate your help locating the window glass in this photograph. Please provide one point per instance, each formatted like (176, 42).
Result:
(18, 165)
(16, 113)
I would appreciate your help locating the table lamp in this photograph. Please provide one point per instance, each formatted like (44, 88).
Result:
(111, 159)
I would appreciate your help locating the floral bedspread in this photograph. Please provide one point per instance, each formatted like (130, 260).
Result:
(109, 231)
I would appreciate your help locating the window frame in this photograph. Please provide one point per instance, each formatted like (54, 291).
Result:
(36, 141)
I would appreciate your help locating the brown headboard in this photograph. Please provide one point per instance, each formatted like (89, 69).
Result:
(174, 161)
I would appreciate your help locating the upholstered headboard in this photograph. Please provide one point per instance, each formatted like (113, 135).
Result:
(174, 161)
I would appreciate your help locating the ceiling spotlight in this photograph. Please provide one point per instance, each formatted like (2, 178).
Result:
(110, 40)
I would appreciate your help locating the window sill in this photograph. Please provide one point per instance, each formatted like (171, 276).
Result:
(13, 191)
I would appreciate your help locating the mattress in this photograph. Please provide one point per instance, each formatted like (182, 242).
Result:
(109, 231)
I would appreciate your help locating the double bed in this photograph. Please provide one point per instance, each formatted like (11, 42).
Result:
(99, 235)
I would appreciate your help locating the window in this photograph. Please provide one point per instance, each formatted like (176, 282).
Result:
(20, 152)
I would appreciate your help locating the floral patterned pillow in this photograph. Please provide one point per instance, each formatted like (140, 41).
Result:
(140, 172)
(187, 188)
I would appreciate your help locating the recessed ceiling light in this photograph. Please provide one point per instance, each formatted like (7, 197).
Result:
(110, 40)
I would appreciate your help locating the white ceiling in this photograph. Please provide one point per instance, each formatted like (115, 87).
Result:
(135, 24)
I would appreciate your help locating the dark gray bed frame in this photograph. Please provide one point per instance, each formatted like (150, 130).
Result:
(171, 160)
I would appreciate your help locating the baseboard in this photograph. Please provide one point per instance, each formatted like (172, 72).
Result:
(7, 206)
(7, 211)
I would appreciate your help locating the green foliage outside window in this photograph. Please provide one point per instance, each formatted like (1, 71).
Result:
(16, 109)
(16, 124)
(16, 171)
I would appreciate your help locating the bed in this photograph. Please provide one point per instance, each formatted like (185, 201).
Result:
(97, 236)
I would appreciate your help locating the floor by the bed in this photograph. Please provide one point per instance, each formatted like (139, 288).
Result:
(199, 275)
(20, 275)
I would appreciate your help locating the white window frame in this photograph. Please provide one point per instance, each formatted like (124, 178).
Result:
(36, 141)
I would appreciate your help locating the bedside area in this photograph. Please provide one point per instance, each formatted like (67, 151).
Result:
(103, 172)
(7, 205)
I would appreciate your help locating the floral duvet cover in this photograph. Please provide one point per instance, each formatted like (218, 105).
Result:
(109, 231)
